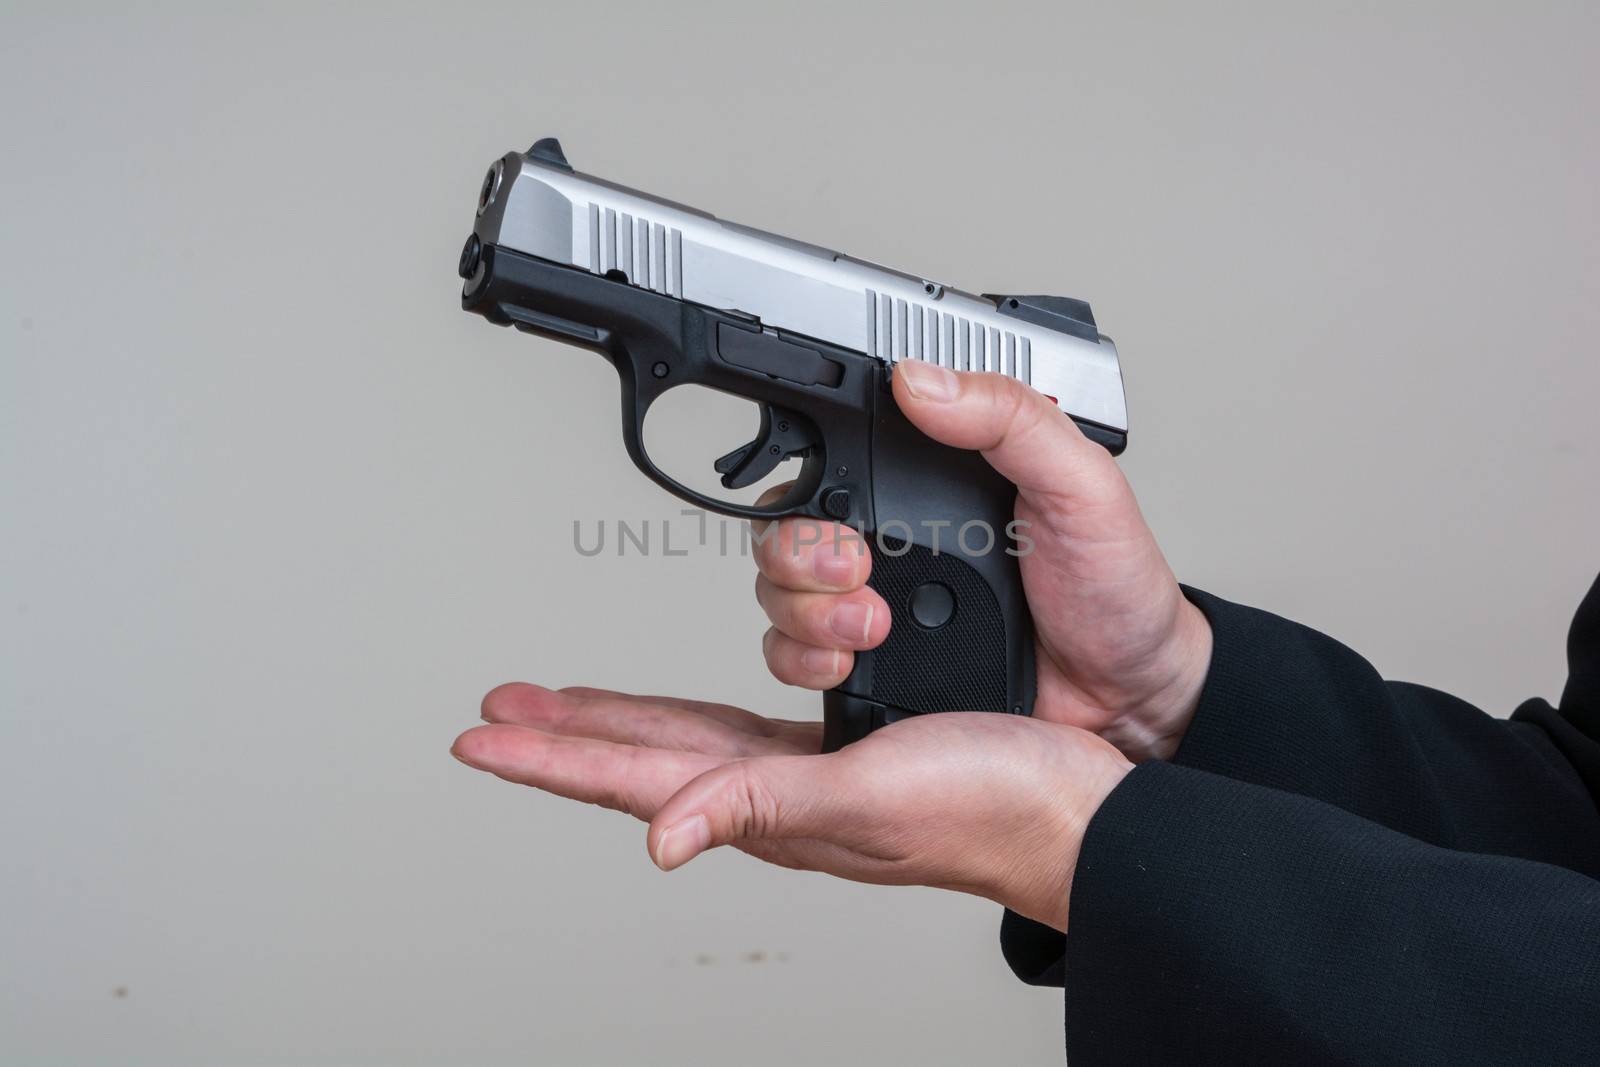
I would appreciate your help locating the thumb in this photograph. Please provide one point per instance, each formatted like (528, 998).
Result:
(1019, 430)
(767, 797)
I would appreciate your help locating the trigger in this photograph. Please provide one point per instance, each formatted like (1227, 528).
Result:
(782, 434)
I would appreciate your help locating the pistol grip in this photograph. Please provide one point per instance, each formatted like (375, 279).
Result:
(957, 643)
(961, 637)
(847, 718)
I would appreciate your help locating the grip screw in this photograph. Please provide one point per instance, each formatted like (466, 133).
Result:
(660, 370)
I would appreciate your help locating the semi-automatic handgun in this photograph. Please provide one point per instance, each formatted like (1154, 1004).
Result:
(673, 296)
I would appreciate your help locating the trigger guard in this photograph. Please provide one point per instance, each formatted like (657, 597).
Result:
(636, 407)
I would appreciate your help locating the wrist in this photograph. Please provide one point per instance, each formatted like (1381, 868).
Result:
(1153, 728)
(1043, 889)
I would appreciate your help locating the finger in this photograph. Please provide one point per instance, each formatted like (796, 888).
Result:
(793, 735)
(798, 735)
(795, 663)
(858, 620)
(621, 777)
(771, 496)
(626, 720)
(1018, 429)
(812, 556)
(736, 717)
(763, 799)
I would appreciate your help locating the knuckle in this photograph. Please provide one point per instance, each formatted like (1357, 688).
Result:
(780, 553)
(780, 609)
(800, 539)
(778, 650)
(623, 794)
(766, 537)
(787, 661)
(1004, 410)
(807, 617)
(1017, 403)
(757, 811)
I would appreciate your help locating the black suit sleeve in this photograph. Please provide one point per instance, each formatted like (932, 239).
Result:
(1217, 922)
(1308, 775)
(1287, 707)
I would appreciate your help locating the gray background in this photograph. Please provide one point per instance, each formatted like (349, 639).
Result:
(275, 512)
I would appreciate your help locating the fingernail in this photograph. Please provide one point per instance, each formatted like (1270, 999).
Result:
(851, 620)
(682, 842)
(928, 381)
(831, 564)
(821, 661)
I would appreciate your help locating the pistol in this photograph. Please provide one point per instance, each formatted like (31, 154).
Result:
(673, 296)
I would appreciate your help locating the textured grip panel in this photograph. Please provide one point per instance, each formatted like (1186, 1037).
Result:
(961, 666)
